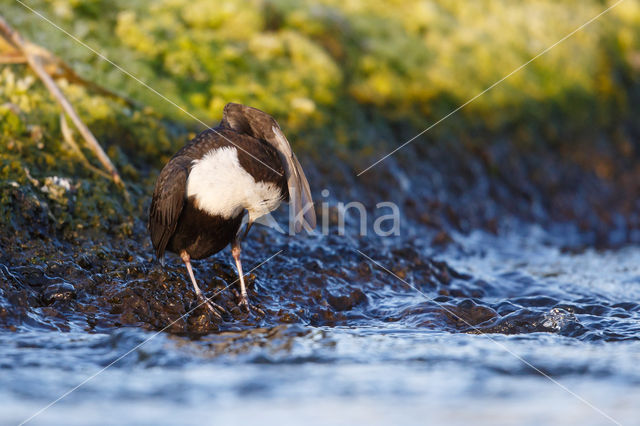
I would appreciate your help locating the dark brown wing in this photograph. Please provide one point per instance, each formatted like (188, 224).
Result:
(260, 125)
(167, 202)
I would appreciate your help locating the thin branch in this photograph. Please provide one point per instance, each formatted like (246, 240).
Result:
(34, 59)
(56, 68)
(12, 58)
(68, 138)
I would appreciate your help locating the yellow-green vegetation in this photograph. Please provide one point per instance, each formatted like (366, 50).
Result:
(42, 178)
(351, 64)
(344, 74)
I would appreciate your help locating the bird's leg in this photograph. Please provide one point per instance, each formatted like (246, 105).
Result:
(244, 299)
(246, 231)
(215, 309)
(235, 252)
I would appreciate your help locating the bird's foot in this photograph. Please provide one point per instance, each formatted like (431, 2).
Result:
(244, 303)
(248, 307)
(214, 308)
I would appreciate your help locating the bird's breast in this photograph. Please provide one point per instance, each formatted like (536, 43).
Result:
(220, 186)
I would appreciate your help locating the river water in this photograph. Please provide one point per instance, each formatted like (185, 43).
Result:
(495, 329)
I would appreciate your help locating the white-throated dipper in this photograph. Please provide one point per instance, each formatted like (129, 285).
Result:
(242, 169)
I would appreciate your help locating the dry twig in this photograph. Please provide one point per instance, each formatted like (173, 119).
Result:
(68, 138)
(34, 57)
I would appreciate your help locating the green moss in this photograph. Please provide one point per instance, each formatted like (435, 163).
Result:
(328, 62)
(337, 74)
(40, 173)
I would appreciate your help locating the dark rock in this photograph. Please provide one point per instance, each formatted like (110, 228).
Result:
(59, 292)
(348, 302)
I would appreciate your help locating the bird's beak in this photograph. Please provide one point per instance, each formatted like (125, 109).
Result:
(246, 230)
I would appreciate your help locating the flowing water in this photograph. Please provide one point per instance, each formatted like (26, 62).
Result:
(507, 329)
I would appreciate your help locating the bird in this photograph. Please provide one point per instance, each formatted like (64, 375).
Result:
(222, 181)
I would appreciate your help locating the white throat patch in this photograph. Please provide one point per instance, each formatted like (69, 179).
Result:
(222, 187)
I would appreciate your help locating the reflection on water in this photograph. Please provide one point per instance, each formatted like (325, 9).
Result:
(354, 344)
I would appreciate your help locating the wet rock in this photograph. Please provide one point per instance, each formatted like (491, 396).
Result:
(441, 272)
(347, 302)
(59, 292)
(364, 269)
(407, 253)
(557, 319)
(33, 276)
(86, 261)
(442, 238)
(202, 323)
(117, 281)
(287, 317)
(314, 265)
(468, 314)
(527, 321)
